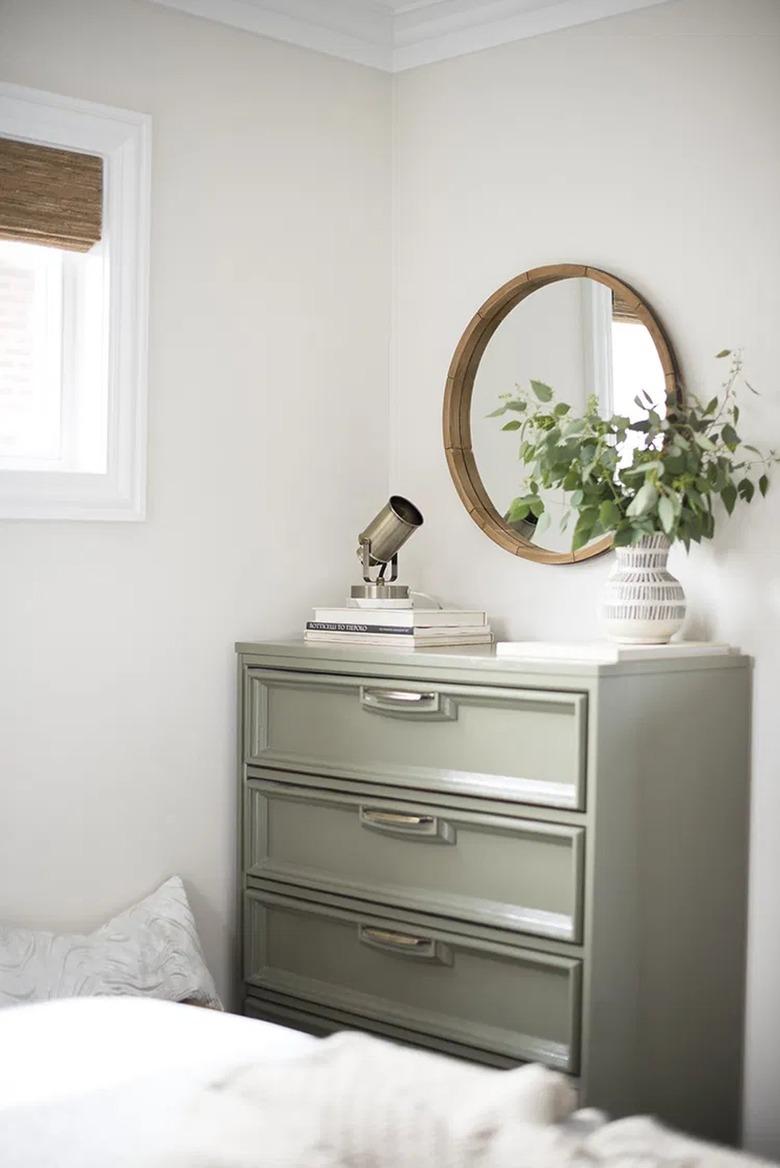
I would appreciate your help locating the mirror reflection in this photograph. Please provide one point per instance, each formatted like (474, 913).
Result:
(577, 336)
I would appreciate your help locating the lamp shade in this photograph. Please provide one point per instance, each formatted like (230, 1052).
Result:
(389, 529)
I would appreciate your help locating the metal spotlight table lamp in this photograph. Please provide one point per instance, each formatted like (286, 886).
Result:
(378, 549)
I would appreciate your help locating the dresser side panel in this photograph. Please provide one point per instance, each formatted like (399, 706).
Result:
(612, 897)
(671, 812)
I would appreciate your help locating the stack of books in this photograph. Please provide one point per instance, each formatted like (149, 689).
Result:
(399, 628)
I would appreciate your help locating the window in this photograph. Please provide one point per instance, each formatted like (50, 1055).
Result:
(53, 372)
(623, 362)
(636, 368)
(72, 308)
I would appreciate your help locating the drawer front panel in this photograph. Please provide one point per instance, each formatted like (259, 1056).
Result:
(519, 745)
(495, 870)
(321, 1021)
(513, 1001)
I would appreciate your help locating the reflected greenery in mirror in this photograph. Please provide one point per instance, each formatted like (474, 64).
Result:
(581, 336)
(654, 472)
(573, 326)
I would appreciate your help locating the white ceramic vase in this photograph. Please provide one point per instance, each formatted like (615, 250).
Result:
(642, 602)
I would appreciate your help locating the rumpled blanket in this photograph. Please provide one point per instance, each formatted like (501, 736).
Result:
(136, 1083)
(354, 1101)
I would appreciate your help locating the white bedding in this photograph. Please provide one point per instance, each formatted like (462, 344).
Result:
(109, 1083)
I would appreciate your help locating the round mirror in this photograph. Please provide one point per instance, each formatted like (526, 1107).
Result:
(576, 329)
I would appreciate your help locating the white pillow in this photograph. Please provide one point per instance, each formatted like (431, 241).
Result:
(150, 950)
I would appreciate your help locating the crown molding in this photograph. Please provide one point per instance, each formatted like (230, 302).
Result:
(351, 29)
(436, 31)
(394, 35)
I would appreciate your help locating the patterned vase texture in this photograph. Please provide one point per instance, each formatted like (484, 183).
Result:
(642, 603)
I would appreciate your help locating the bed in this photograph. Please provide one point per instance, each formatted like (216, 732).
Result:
(113, 1082)
(99, 1082)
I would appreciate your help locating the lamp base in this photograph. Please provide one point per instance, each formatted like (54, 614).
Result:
(380, 595)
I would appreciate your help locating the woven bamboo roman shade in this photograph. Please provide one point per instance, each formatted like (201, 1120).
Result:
(50, 196)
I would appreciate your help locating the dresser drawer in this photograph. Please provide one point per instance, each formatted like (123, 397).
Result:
(322, 1021)
(515, 1002)
(496, 870)
(514, 744)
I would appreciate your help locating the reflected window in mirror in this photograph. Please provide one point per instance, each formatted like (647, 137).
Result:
(582, 339)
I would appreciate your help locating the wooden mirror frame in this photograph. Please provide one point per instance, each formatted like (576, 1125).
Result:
(460, 386)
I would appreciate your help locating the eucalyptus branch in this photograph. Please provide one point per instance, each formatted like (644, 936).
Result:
(681, 464)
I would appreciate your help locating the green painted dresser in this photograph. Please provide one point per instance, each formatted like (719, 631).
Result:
(505, 860)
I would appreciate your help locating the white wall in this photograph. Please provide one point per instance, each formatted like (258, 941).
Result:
(269, 335)
(644, 144)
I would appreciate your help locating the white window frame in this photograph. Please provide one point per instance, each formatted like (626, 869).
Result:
(123, 139)
(597, 320)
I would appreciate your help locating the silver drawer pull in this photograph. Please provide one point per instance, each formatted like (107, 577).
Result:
(406, 703)
(395, 819)
(393, 696)
(405, 944)
(418, 827)
(397, 940)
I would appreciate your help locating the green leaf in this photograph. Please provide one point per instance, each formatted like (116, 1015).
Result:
(542, 391)
(675, 464)
(729, 496)
(609, 515)
(497, 413)
(575, 426)
(644, 501)
(517, 511)
(584, 528)
(723, 353)
(643, 527)
(730, 436)
(513, 425)
(561, 408)
(518, 406)
(654, 464)
(763, 485)
(666, 513)
(746, 489)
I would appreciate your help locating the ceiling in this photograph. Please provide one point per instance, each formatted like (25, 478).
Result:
(394, 35)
